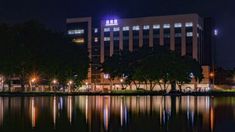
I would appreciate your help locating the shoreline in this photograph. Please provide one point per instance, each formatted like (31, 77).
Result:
(134, 93)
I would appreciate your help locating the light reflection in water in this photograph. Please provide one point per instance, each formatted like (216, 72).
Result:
(69, 108)
(33, 113)
(102, 113)
(54, 111)
(1, 111)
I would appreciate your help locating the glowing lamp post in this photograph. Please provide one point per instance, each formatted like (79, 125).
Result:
(70, 83)
(32, 82)
(212, 76)
(54, 82)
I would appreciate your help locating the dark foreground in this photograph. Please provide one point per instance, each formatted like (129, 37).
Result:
(117, 113)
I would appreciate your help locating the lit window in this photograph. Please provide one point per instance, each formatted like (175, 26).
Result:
(76, 31)
(178, 35)
(198, 35)
(96, 39)
(166, 26)
(126, 28)
(95, 30)
(178, 25)
(111, 22)
(106, 38)
(136, 28)
(116, 29)
(188, 24)
(146, 27)
(156, 26)
(189, 34)
(106, 29)
(79, 40)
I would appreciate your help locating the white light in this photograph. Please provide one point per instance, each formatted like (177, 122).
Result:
(136, 28)
(96, 39)
(76, 31)
(166, 26)
(178, 25)
(156, 26)
(96, 30)
(189, 34)
(106, 29)
(112, 22)
(216, 32)
(106, 38)
(146, 27)
(106, 76)
(126, 28)
(116, 29)
(188, 24)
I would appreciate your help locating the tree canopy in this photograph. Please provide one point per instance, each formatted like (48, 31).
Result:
(30, 48)
(153, 66)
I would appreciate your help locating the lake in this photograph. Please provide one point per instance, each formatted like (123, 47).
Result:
(117, 113)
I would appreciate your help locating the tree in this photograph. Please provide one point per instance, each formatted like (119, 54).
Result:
(30, 48)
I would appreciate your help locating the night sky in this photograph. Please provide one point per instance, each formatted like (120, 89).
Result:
(53, 13)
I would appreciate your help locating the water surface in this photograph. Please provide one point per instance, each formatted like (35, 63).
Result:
(117, 113)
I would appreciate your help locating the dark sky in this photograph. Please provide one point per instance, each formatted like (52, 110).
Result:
(54, 12)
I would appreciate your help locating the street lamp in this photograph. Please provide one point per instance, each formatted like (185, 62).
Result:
(70, 82)
(54, 82)
(32, 81)
(212, 76)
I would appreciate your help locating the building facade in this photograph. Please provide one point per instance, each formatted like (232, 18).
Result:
(181, 33)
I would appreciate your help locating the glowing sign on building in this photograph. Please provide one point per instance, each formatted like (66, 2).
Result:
(112, 22)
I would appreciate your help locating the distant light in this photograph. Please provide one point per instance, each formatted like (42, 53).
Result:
(70, 82)
(106, 76)
(54, 81)
(191, 75)
(76, 31)
(111, 22)
(216, 32)
(79, 40)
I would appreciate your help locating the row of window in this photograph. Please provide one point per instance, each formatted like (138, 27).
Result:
(188, 34)
(146, 27)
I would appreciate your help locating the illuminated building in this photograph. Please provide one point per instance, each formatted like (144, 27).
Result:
(185, 34)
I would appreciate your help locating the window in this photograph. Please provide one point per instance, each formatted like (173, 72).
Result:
(96, 39)
(106, 29)
(178, 25)
(116, 29)
(166, 26)
(177, 34)
(136, 28)
(76, 31)
(126, 28)
(156, 26)
(188, 24)
(79, 40)
(146, 27)
(96, 30)
(189, 34)
(106, 38)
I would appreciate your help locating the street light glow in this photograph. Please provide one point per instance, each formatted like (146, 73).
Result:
(54, 81)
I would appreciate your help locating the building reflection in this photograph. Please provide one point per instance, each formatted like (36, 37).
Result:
(102, 113)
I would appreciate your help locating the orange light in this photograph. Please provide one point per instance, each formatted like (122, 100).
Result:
(212, 74)
(79, 40)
